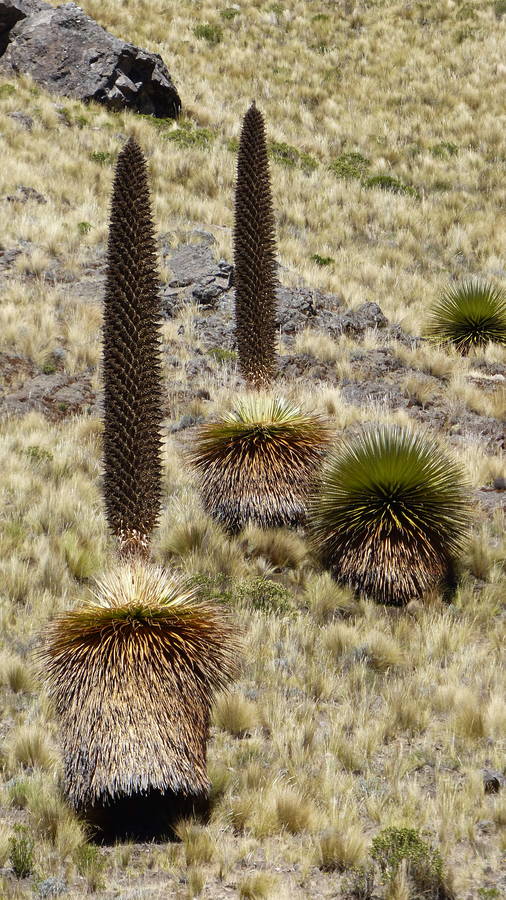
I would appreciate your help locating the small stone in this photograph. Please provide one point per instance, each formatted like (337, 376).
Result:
(493, 781)
(22, 119)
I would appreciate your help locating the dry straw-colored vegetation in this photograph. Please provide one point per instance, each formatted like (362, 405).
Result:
(348, 718)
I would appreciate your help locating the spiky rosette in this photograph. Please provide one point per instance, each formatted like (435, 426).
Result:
(257, 463)
(132, 674)
(469, 315)
(254, 256)
(391, 514)
(131, 360)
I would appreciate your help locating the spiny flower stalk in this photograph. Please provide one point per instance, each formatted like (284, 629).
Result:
(469, 315)
(391, 514)
(131, 360)
(132, 674)
(257, 463)
(254, 256)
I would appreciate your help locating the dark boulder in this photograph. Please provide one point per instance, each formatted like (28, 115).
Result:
(68, 53)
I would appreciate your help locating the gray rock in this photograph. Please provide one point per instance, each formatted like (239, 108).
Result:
(12, 11)
(68, 53)
(493, 781)
(22, 119)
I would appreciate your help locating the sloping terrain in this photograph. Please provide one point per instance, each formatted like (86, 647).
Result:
(348, 718)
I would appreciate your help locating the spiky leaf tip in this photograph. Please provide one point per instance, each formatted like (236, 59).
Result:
(391, 514)
(254, 256)
(132, 360)
(469, 315)
(257, 463)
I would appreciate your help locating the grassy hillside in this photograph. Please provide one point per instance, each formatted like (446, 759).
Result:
(348, 718)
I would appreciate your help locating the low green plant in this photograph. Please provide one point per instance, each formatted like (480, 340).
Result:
(289, 156)
(322, 260)
(213, 34)
(7, 90)
(21, 851)
(424, 865)
(188, 135)
(469, 315)
(500, 8)
(391, 514)
(102, 157)
(222, 355)
(389, 183)
(38, 454)
(229, 13)
(84, 227)
(350, 165)
(90, 864)
(444, 149)
(264, 595)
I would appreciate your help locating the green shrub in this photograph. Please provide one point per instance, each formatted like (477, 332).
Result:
(38, 454)
(229, 13)
(213, 34)
(444, 149)
(350, 165)
(469, 315)
(21, 851)
(424, 865)
(102, 157)
(322, 260)
(188, 135)
(264, 595)
(289, 156)
(389, 183)
(500, 8)
(84, 227)
(7, 90)
(222, 355)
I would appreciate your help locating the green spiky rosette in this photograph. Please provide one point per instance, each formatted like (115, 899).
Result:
(391, 514)
(132, 674)
(469, 315)
(257, 464)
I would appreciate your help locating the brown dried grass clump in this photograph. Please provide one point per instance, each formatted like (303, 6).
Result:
(132, 674)
(131, 360)
(257, 464)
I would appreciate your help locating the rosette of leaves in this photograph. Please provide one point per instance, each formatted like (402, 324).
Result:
(257, 464)
(254, 256)
(391, 514)
(131, 360)
(469, 315)
(132, 673)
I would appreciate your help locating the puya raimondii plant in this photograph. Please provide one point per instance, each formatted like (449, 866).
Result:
(254, 256)
(391, 515)
(131, 360)
(469, 315)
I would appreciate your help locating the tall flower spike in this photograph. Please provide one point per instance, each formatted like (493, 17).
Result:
(131, 360)
(254, 256)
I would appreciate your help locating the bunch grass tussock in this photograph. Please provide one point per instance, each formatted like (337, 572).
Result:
(132, 674)
(391, 514)
(258, 462)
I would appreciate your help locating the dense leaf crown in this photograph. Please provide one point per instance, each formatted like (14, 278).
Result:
(391, 513)
(469, 315)
(254, 255)
(131, 358)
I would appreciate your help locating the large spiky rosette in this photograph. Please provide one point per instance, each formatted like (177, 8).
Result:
(391, 514)
(469, 315)
(254, 256)
(131, 360)
(132, 674)
(257, 464)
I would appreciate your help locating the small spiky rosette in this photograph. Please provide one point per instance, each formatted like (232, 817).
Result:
(469, 315)
(391, 514)
(132, 674)
(254, 256)
(257, 464)
(131, 361)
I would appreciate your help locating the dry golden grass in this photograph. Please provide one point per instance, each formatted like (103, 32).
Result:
(348, 718)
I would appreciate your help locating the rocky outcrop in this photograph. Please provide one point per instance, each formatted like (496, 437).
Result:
(68, 53)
